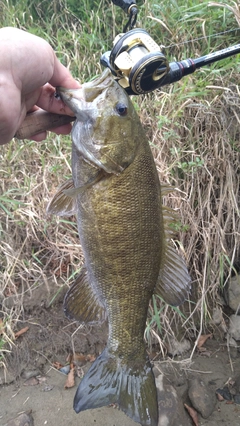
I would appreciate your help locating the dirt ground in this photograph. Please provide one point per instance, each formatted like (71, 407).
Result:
(35, 385)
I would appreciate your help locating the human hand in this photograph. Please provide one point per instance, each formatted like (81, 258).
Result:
(29, 73)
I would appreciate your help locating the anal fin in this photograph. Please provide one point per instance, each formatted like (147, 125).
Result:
(82, 301)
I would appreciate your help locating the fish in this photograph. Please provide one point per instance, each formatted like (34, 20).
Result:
(126, 241)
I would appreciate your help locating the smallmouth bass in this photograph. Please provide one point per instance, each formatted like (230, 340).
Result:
(124, 238)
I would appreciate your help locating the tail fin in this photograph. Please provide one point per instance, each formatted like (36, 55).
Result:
(132, 387)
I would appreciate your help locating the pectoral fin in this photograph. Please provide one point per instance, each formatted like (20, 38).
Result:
(83, 303)
(73, 192)
(61, 203)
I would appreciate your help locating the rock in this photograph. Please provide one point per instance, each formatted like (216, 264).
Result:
(233, 293)
(225, 393)
(236, 398)
(65, 369)
(237, 383)
(174, 347)
(32, 381)
(170, 405)
(181, 386)
(7, 376)
(231, 391)
(234, 327)
(27, 374)
(217, 316)
(24, 419)
(202, 397)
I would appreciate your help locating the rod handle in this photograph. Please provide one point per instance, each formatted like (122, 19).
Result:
(40, 121)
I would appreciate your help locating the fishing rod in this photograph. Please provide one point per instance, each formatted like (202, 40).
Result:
(138, 63)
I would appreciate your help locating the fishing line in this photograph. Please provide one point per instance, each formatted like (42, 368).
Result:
(201, 38)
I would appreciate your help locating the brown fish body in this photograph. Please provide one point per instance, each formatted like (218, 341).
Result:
(127, 258)
(121, 232)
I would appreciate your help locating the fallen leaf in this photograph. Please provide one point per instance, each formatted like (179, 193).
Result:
(219, 397)
(193, 414)
(90, 358)
(202, 339)
(33, 381)
(79, 357)
(57, 365)
(20, 332)
(70, 382)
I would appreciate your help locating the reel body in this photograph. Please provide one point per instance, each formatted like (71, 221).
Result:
(136, 61)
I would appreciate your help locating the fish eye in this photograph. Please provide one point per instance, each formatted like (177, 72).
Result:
(121, 109)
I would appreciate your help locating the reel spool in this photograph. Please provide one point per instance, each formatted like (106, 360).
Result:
(136, 61)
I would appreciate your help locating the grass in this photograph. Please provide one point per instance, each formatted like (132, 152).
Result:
(193, 129)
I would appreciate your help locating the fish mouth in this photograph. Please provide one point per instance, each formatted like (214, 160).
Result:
(80, 100)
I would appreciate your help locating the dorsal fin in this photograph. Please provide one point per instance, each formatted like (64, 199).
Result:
(174, 282)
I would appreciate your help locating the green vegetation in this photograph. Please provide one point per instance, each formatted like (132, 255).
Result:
(193, 127)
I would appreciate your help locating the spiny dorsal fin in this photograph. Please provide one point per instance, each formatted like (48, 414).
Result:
(61, 203)
(83, 303)
(174, 282)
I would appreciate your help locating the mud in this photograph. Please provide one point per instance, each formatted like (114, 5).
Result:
(35, 385)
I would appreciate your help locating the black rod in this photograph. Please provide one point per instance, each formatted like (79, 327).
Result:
(188, 66)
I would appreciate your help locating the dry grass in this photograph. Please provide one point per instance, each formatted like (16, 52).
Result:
(193, 128)
(200, 157)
